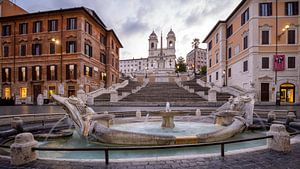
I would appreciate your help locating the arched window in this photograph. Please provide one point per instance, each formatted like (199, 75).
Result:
(152, 45)
(171, 44)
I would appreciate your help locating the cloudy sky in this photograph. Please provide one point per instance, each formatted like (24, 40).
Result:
(134, 20)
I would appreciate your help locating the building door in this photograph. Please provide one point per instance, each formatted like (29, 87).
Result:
(287, 93)
(264, 90)
(71, 91)
(36, 91)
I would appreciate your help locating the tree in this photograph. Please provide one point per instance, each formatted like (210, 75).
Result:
(181, 65)
(203, 70)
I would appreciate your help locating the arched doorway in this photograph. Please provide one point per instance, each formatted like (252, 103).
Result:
(287, 93)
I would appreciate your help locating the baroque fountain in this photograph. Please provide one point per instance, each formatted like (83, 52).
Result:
(230, 119)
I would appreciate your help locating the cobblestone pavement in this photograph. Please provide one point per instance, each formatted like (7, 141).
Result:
(255, 160)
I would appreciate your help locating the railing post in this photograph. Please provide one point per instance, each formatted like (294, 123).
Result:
(106, 156)
(222, 150)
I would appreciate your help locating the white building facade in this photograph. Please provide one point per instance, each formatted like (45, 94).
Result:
(159, 59)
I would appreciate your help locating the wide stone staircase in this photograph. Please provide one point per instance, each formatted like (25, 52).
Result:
(128, 88)
(163, 92)
(194, 85)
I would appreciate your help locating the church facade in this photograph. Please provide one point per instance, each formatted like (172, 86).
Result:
(159, 59)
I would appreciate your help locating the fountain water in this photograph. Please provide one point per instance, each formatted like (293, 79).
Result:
(147, 117)
(236, 115)
(55, 125)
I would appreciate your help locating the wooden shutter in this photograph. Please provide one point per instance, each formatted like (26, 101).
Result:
(41, 73)
(33, 73)
(260, 9)
(75, 71)
(9, 74)
(20, 28)
(33, 49)
(26, 74)
(41, 49)
(67, 72)
(270, 9)
(84, 70)
(3, 75)
(49, 25)
(91, 51)
(48, 73)
(55, 72)
(296, 8)
(91, 71)
(75, 26)
(20, 74)
(75, 46)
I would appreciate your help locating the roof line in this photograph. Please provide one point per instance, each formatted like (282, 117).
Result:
(227, 19)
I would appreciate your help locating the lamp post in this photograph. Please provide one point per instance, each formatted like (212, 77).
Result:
(223, 76)
(195, 45)
(278, 36)
(60, 87)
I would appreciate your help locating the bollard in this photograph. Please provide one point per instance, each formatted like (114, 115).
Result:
(290, 117)
(21, 150)
(17, 124)
(271, 116)
(138, 114)
(198, 112)
(281, 138)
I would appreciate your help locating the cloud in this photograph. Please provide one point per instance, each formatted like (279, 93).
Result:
(134, 20)
(133, 26)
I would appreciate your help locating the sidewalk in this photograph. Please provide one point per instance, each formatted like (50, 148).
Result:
(263, 159)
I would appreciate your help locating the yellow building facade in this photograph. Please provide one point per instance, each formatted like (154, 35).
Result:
(258, 45)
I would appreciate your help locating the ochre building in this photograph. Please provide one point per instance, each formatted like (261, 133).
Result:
(55, 52)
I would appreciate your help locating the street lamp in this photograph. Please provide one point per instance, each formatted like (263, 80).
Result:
(223, 76)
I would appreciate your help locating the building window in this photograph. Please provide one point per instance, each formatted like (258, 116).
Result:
(209, 78)
(51, 90)
(291, 62)
(7, 93)
(88, 28)
(71, 23)
(23, 28)
(22, 74)
(217, 38)
(52, 25)
(102, 39)
(71, 47)
(217, 75)
(52, 48)
(36, 49)
(209, 62)
(209, 45)
(37, 73)
(52, 72)
(88, 71)
(229, 72)
(71, 91)
(229, 53)
(6, 30)
(291, 36)
(245, 66)
(5, 51)
(265, 37)
(37, 26)
(245, 39)
(23, 92)
(6, 74)
(71, 71)
(217, 58)
(291, 8)
(23, 50)
(265, 63)
(88, 50)
(265, 9)
(245, 16)
(103, 58)
(229, 31)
